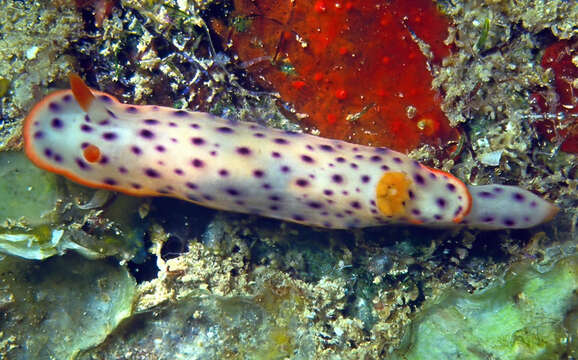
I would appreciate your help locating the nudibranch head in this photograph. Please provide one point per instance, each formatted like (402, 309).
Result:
(71, 133)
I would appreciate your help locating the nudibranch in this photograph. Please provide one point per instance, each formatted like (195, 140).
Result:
(91, 138)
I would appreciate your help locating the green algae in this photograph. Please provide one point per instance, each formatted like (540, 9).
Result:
(521, 318)
(56, 308)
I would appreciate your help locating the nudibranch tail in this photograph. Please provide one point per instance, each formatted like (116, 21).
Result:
(92, 138)
(502, 206)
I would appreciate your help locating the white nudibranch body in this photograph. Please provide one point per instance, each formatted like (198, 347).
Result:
(91, 138)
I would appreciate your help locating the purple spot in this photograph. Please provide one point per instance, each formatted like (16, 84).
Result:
(416, 212)
(195, 126)
(340, 159)
(86, 128)
(419, 179)
(180, 113)
(328, 192)
(131, 109)
(314, 205)
(109, 136)
(152, 173)
(345, 192)
(224, 172)
(285, 169)
(47, 152)
(57, 158)
(54, 107)
(365, 179)
(174, 140)
(160, 148)
(151, 121)
(225, 130)
(381, 150)
(179, 172)
(281, 141)
(488, 219)
(411, 194)
(172, 124)
(57, 123)
(327, 148)
(67, 98)
(109, 181)
(198, 141)
(192, 186)
(458, 210)
(337, 178)
(104, 122)
(38, 135)
(81, 164)
(376, 158)
(354, 166)
(213, 153)
(266, 186)
(275, 154)
(208, 197)
(533, 204)
(359, 156)
(308, 159)
(274, 207)
(519, 197)
(397, 160)
(384, 167)
(451, 187)
(274, 198)
(327, 224)
(136, 186)
(198, 163)
(103, 160)
(309, 147)
(291, 133)
(441, 202)
(258, 173)
(192, 197)
(147, 134)
(243, 150)
(485, 194)
(298, 217)
(355, 204)
(509, 222)
(87, 118)
(105, 98)
(232, 191)
(497, 190)
(259, 135)
(432, 175)
(111, 114)
(136, 150)
(302, 182)
(122, 170)
(437, 217)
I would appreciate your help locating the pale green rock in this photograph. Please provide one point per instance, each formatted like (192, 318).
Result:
(55, 308)
(39, 216)
(522, 317)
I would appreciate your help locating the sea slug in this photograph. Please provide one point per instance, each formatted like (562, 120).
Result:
(93, 139)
